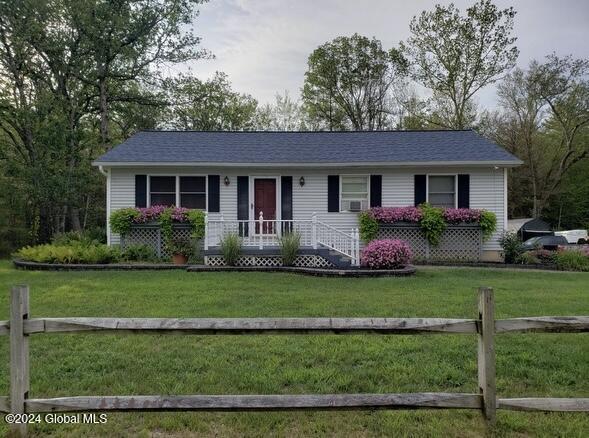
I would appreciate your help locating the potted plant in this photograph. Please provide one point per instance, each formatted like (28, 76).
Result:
(181, 249)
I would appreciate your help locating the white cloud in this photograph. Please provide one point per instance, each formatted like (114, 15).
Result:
(263, 45)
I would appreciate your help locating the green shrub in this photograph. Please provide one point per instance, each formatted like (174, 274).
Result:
(368, 226)
(432, 223)
(68, 254)
(572, 261)
(289, 247)
(231, 248)
(197, 221)
(511, 245)
(73, 237)
(181, 246)
(138, 253)
(528, 258)
(165, 221)
(488, 223)
(120, 220)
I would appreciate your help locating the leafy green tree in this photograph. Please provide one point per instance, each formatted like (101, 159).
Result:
(68, 70)
(349, 81)
(456, 55)
(284, 115)
(545, 121)
(210, 105)
(569, 209)
(123, 40)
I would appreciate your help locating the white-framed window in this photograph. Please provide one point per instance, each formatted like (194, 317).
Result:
(193, 192)
(354, 192)
(441, 190)
(162, 190)
(189, 191)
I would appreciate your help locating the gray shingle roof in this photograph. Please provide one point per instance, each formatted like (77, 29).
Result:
(355, 147)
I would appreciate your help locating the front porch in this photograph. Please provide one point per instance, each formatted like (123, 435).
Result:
(321, 245)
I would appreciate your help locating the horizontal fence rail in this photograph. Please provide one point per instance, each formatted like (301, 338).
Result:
(20, 327)
(269, 326)
(290, 326)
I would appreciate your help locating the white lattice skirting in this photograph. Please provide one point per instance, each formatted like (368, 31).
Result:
(151, 235)
(302, 261)
(458, 242)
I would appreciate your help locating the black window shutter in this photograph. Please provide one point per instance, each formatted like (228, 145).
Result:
(376, 190)
(333, 193)
(286, 197)
(140, 190)
(243, 203)
(420, 189)
(214, 194)
(464, 191)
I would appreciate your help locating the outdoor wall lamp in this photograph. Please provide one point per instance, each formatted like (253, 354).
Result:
(226, 180)
(302, 181)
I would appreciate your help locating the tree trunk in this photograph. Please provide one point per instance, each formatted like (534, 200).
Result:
(75, 219)
(104, 123)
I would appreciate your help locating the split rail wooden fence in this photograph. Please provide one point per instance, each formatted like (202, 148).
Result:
(21, 326)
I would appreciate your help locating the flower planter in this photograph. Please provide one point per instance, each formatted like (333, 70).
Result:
(179, 259)
(462, 242)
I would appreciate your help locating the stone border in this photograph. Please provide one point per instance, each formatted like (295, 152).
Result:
(319, 272)
(34, 266)
(496, 265)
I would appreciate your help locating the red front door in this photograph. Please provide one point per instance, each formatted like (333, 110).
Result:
(265, 202)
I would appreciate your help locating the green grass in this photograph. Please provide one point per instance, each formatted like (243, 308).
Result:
(527, 364)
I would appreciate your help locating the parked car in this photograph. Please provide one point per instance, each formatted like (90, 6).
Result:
(544, 242)
(573, 236)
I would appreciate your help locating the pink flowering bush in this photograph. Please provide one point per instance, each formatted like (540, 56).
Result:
(121, 220)
(459, 215)
(386, 254)
(154, 213)
(149, 214)
(391, 215)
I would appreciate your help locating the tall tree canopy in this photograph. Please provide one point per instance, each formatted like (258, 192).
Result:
(348, 83)
(285, 114)
(68, 68)
(456, 55)
(544, 120)
(209, 105)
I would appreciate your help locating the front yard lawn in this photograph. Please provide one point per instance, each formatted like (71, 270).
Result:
(539, 365)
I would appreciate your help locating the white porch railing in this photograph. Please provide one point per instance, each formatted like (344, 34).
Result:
(265, 233)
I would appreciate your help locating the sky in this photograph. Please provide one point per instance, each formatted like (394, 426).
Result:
(263, 45)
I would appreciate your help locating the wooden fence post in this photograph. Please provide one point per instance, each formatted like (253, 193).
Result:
(19, 355)
(486, 353)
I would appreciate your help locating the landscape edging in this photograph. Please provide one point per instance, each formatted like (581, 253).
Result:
(321, 272)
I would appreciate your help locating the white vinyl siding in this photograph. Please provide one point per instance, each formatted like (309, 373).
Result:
(486, 191)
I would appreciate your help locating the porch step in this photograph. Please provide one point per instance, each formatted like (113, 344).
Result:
(339, 260)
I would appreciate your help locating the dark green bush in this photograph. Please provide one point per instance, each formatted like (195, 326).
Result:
(138, 253)
(181, 246)
(511, 245)
(368, 226)
(432, 223)
(572, 261)
(76, 252)
(75, 237)
(488, 223)
(121, 220)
